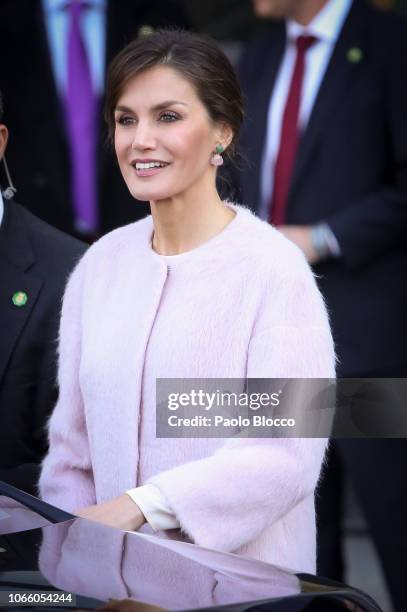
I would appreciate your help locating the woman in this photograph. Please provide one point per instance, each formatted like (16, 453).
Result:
(200, 289)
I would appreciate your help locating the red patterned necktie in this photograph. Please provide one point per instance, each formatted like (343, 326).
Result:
(289, 138)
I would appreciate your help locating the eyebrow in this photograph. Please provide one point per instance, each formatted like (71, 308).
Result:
(157, 107)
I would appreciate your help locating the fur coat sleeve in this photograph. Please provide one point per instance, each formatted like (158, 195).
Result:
(69, 468)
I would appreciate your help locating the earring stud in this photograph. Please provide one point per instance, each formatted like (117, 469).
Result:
(217, 159)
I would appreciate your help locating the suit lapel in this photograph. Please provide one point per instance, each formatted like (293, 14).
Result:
(254, 132)
(16, 258)
(340, 72)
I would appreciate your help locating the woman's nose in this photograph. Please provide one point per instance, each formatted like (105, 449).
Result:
(144, 137)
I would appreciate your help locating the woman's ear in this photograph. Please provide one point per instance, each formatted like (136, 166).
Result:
(225, 135)
(3, 139)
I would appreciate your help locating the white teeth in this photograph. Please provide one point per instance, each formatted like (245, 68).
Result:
(142, 166)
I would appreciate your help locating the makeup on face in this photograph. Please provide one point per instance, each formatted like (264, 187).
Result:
(164, 138)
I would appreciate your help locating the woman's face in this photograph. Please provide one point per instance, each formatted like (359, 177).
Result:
(164, 137)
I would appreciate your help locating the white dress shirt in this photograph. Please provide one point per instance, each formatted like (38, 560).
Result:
(326, 27)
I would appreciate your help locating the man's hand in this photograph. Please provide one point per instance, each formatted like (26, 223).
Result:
(301, 236)
(121, 512)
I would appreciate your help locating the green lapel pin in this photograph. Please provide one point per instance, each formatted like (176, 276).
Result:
(19, 298)
(354, 55)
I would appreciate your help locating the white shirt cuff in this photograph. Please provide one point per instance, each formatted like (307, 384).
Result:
(154, 506)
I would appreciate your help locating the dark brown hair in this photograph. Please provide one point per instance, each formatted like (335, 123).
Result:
(196, 58)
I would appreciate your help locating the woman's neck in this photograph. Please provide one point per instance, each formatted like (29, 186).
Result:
(185, 222)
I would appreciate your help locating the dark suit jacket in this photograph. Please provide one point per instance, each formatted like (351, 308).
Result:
(36, 259)
(350, 171)
(37, 153)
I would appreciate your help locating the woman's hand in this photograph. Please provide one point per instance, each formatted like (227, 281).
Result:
(121, 512)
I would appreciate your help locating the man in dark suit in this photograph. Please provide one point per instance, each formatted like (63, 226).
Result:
(33, 74)
(35, 261)
(326, 140)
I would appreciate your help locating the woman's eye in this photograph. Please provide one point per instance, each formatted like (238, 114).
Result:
(125, 120)
(169, 116)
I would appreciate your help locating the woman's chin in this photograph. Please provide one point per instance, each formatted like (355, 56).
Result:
(150, 195)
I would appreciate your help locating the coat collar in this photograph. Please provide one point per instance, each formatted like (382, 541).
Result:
(326, 25)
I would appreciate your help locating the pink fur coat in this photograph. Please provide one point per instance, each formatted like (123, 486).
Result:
(244, 304)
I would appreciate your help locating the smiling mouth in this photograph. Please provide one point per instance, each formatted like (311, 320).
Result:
(149, 168)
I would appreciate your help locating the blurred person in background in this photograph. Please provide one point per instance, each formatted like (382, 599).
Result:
(35, 261)
(326, 141)
(57, 52)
